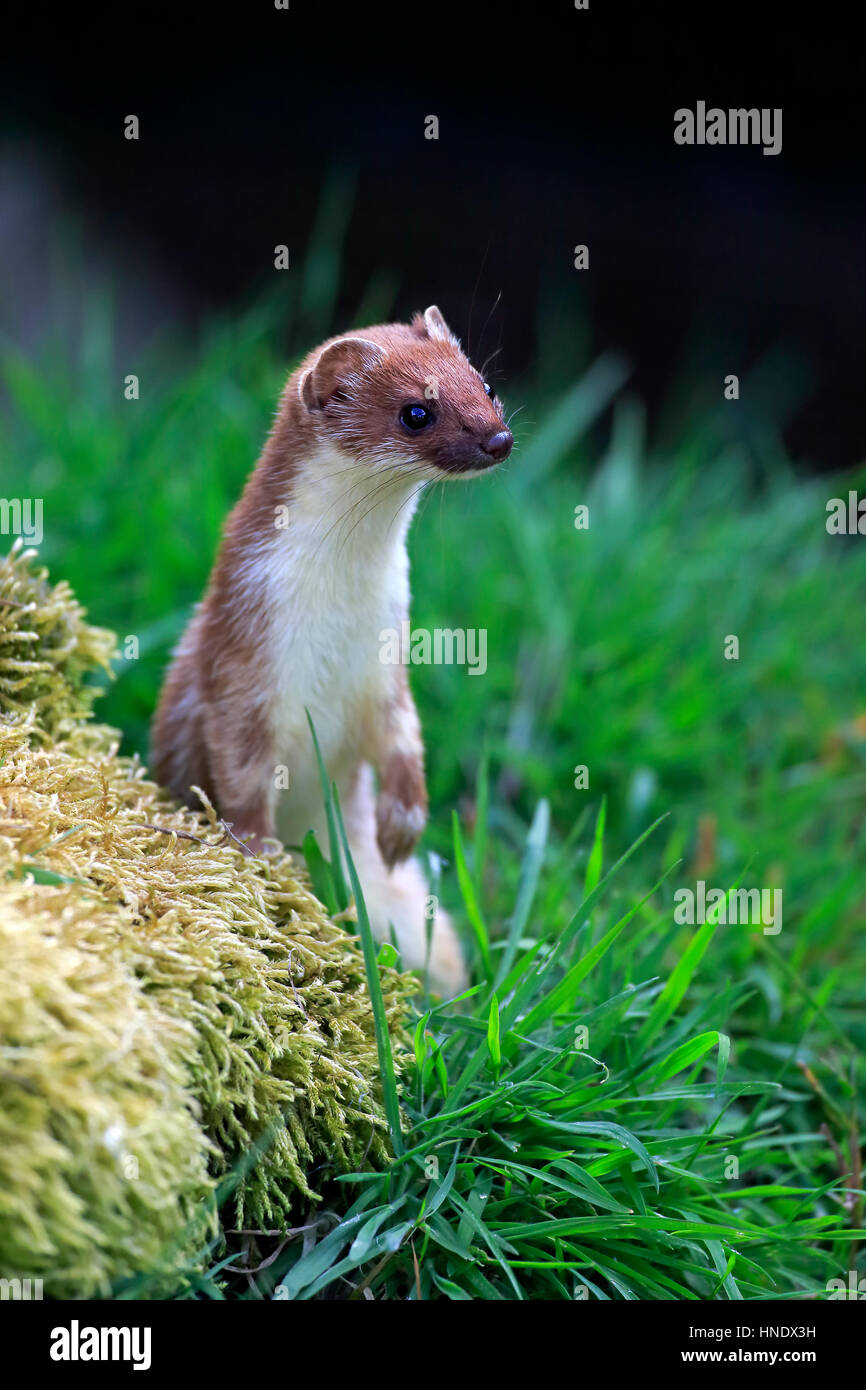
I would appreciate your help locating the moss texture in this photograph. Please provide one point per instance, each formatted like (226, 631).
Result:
(171, 1010)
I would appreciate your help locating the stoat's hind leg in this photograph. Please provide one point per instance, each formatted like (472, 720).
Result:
(400, 896)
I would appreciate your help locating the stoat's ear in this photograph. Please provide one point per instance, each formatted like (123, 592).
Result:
(335, 367)
(436, 325)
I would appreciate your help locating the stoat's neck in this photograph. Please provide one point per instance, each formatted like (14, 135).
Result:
(317, 550)
(348, 510)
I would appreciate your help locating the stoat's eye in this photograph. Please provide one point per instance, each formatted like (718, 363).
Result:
(489, 389)
(416, 417)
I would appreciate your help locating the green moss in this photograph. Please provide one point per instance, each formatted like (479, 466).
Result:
(169, 1007)
(46, 647)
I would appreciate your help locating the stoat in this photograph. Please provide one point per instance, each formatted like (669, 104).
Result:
(312, 568)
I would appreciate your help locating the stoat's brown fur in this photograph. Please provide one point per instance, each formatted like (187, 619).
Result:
(312, 568)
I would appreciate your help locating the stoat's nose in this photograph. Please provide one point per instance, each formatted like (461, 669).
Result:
(498, 446)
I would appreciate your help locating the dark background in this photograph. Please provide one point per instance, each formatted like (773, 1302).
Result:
(556, 127)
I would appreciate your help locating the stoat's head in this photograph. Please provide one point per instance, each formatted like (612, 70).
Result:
(405, 395)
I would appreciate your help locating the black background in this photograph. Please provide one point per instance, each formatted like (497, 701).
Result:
(556, 128)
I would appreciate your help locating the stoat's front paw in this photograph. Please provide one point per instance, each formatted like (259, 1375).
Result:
(401, 810)
(398, 827)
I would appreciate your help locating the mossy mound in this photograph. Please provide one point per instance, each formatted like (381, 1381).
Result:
(171, 1010)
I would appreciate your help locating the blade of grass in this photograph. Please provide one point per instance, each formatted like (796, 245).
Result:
(467, 890)
(530, 869)
(380, 1021)
(340, 887)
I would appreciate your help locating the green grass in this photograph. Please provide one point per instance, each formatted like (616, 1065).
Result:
(540, 1161)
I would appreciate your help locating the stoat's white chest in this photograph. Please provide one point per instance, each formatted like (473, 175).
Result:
(335, 576)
